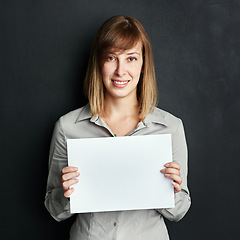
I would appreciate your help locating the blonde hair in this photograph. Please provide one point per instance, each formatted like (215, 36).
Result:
(121, 33)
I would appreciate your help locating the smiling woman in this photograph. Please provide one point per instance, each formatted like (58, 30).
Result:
(121, 88)
(117, 35)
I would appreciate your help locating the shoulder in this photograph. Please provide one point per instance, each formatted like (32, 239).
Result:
(165, 118)
(71, 118)
(167, 115)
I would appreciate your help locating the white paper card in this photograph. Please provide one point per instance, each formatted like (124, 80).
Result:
(121, 173)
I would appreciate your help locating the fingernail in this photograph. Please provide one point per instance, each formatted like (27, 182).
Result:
(163, 170)
(166, 165)
(167, 175)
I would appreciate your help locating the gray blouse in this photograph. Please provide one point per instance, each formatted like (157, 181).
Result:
(119, 225)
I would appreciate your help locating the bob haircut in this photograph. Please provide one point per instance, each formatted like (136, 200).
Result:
(120, 33)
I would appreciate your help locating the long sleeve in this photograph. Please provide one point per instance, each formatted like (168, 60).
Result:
(182, 199)
(146, 224)
(55, 202)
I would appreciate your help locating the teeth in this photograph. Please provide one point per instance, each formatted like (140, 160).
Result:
(120, 82)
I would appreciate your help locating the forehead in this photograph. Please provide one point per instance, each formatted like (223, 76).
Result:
(136, 49)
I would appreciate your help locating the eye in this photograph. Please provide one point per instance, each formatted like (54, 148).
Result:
(132, 59)
(111, 58)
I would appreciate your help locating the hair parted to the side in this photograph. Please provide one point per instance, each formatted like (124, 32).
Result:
(120, 33)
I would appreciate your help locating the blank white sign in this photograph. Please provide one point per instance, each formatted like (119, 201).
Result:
(121, 173)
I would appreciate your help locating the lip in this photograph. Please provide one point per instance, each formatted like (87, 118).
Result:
(120, 83)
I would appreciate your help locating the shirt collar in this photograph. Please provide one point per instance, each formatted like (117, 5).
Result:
(156, 116)
(85, 113)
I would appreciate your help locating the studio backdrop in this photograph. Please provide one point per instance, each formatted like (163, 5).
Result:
(44, 50)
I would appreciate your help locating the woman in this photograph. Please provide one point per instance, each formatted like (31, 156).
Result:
(121, 88)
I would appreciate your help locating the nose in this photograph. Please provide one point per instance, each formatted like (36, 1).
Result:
(120, 69)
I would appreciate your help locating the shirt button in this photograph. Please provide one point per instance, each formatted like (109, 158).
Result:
(114, 224)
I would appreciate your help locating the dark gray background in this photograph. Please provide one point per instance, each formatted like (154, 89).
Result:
(44, 49)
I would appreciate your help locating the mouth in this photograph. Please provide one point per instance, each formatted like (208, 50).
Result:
(121, 83)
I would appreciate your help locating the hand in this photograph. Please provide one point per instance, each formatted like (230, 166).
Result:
(172, 171)
(68, 179)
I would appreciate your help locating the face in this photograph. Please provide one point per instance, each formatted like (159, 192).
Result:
(121, 72)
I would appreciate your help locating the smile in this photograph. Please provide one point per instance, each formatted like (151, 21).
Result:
(120, 82)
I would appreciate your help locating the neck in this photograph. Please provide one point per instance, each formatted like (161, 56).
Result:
(120, 114)
(120, 107)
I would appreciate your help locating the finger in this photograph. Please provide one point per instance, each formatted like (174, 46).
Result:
(171, 171)
(68, 176)
(175, 178)
(69, 169)
(177, 187)
(68, 192)
(67, 184)
(173, 165)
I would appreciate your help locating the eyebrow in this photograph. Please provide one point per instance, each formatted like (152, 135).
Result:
(131, 53)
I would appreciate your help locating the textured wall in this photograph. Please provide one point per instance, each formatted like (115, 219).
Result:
(44, 49)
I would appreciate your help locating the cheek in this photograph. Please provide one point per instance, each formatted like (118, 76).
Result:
(137, 71)
(106, 71)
